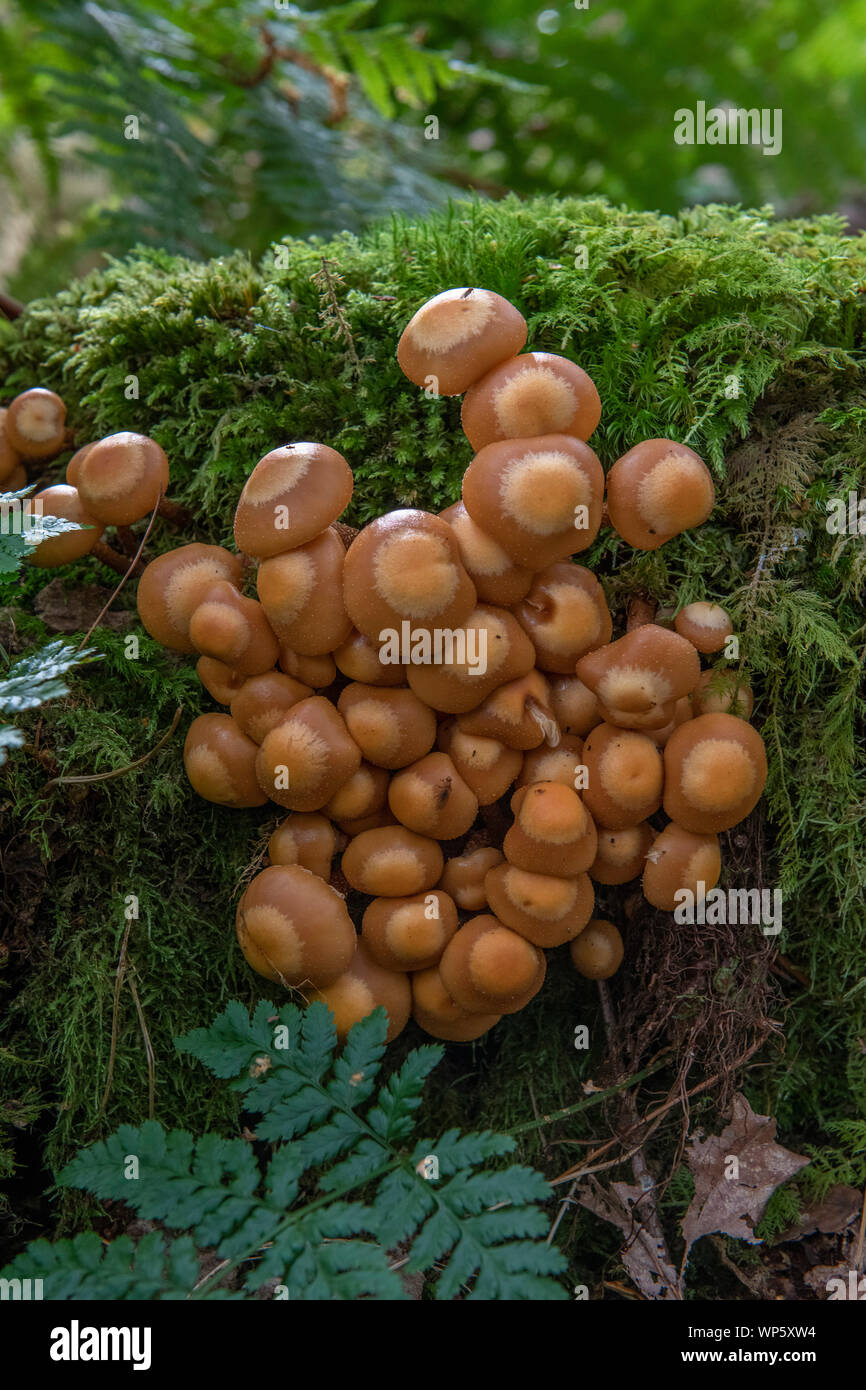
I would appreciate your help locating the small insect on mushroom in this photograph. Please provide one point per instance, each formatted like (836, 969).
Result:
(456, 337)
(531, 394)
(431, 798)
(35, 425)
(656, 491)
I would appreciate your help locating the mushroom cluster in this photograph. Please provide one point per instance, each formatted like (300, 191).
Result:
(114, 481)
(396, 689)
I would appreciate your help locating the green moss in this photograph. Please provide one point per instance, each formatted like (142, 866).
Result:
(734, 332)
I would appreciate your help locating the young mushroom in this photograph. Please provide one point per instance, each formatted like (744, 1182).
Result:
(434, 1010)
(488, 650)
(10, 459)
(220, 762)
(565, 615)
(656, 491)
(431, 798)
(392, 727)
(358, 658)
(409, 933)
(487, 767)
(598, 951)
(301, 592)
(541, 499)
(291, 496)
(621, 854)
(317, 671)
(463, 877)
(559, 764)
(715, 771)
(305, 759)
(234, 630)
(64, 501)
(263, 702)
(553, 833)
(531, 394)
(706, 625)
(294, 928)
(517, 714)
(679, 859)
(625, 776)
(363, 796)
(219, 680)
(35, 425)
(456, 337)
(392, 862)
(489, 969)
(122, 477)
(642, 672)
(306, 839)
(722, 692)
(363, 987)
(174, 584)
(575, 707)
(405, 567)
(544, 908)
(496, 577)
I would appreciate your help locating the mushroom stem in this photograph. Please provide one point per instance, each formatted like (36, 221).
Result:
(640, 612)
(545, 721)
(173, 512)
(9, 307)
(119, 563)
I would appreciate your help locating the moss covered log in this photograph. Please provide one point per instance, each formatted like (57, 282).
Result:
(736, 333)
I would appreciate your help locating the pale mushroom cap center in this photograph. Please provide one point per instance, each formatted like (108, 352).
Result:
(414, 572)
(556, 765)
(105, 477)
(411, 935)
(540, 895)
(221, 626)
(574, 620)
(540, 491)
(702, 867)
(555, 816)
(473, 751)
(355, 797)
(185, 586)
(206, 769)
(375, 727)
(479, 551)
(502, 963)
(398, 865)
(535, 400)
(633, 689)
(305, 753)
(717, 773)
(262, 720)
(277, 938)
(630, 770)
(619, 847)
(709, 615)
(676, 493)
(450, 319)
(37, 419)
(277, 474)
(286, 583)
(350, 999)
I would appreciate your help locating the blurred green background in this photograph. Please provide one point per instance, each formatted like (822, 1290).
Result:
(207, 126)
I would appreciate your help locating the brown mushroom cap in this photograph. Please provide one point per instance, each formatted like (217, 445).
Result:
(358, 658)
(648, 667)
(220, 762)
(531, 394)
(351, 828)
(431, 798)
(706, 625)
(233, 629)
(219, 680)
(434, 1010)
(650, 721)
(575, 707)
(10, 459)
(317, 671)
(122, 477)
(294, 928)
(302, 762)
(546, 909)
(496, 577)
(174, 584)
(682, 711)
(559, 764)
(457, 336)
(487, 767)
(621, 854)
(488, 650)
(392, 862)
(409, 933)
(679, 859)
(656, 490)
(63, 500)
(292, 495)
(35, 425)
(487, 968)
(306, 839)
(722, 692)
(366, 986)
(715, 772)
(392, 727)
(406, 566)
(553, 833)
(565, 615)
(463, 877)
(365, 794)
(301, 592)
(76, 461)
(526, 494)
(518, 714)
(625, 776)
(264, 701)
(598, 951)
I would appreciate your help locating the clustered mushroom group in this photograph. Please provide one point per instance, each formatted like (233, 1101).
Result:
(402, 758)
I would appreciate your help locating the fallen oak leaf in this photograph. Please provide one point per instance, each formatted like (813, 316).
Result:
(643, 1256)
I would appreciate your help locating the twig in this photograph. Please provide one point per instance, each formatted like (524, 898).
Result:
(858, 1248)
(9, 307)
(115, 1013)
(595, 1098)
(127, 573)
(119, 771)
(567, 1201)
(148, 1047)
